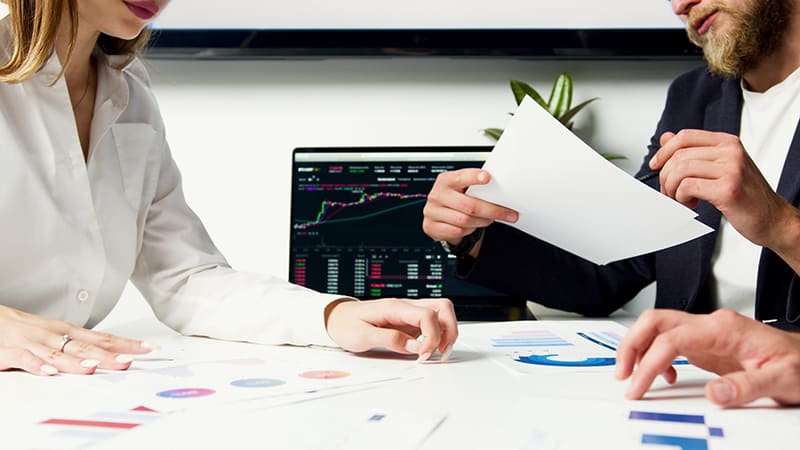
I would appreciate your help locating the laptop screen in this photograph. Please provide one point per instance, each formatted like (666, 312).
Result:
(356, 227)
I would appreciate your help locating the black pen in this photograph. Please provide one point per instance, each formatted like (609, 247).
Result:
(648, 176)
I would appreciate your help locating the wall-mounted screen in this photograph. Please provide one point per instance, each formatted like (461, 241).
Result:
(511, 28)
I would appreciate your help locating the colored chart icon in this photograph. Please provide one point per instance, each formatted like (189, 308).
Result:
(324, 374)
(257, 382)
(546, 360)
(186, 393)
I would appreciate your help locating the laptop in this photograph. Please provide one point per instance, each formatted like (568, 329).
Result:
(356, 227)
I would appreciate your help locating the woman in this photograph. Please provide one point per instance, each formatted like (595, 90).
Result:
(92, 198)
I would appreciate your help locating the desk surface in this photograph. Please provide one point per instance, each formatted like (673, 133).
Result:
(472, 402)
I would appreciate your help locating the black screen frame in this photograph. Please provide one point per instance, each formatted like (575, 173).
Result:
(499, 308)
(500, 43)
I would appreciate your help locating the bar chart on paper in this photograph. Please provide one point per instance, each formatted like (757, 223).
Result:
(535, 346)
(537, 423)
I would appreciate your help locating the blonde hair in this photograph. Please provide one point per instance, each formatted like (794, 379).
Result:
(34, 26)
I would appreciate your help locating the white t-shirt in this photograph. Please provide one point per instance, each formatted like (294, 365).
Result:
(769, 120)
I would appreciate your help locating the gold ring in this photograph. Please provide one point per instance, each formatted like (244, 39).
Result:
(65, 339)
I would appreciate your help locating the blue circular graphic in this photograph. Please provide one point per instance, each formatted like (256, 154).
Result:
(257, 382)
(544, 360)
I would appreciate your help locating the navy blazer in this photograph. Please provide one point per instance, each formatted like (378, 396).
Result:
(516, 263)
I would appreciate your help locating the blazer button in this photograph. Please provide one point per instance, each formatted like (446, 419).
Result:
(82, 295)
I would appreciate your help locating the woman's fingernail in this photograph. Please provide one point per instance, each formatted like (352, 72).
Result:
(653, 162)
(722, 391)
(511, 217)
(48, 369)
(412, 346)
(424, 357)
(483, 177)
(150, 345)
(123, 359)
(90, 363)
(446, 353)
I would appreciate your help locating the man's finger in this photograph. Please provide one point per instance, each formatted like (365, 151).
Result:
(741, 388)
(463, 178)
(684, 139)
(656, 360)
(640, 336)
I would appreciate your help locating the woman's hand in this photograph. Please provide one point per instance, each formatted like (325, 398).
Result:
(394, 324)
(44, 346)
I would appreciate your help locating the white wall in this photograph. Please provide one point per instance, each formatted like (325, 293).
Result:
(232, 125)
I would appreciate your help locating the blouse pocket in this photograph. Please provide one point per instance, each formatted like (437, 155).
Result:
(135, 144)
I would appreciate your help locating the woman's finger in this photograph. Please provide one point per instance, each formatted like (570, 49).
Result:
(87, 351)
(62, 361)
(17, 358)
(109, 342)
(448, 323)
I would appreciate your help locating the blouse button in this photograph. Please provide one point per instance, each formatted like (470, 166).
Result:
(82, 295)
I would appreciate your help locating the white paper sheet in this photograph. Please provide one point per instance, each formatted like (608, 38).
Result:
(552, 424)
(187, 376)
(570, 196)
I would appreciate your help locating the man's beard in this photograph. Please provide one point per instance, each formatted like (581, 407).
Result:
(751, 34)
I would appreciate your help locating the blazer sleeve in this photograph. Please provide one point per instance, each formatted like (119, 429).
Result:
(518, 264)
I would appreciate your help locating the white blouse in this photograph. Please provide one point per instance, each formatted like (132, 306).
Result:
(74, 232)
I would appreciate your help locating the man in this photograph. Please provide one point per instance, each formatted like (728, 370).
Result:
(725, 146)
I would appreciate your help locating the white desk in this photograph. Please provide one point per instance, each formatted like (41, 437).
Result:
(473, 394)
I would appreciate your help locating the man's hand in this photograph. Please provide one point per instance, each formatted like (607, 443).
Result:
(702, 165)
(450, 214)
(753, 359)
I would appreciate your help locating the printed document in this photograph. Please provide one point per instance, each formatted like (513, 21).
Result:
(567, 194)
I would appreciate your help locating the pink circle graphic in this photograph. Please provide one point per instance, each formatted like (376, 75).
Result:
(324, 374)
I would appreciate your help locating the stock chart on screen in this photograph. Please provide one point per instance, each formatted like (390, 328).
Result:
(356, 223)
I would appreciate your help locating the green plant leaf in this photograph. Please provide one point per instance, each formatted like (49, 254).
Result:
(560, 96)
(568, 115)
(521, 89)
(493, 133)
(613, 156)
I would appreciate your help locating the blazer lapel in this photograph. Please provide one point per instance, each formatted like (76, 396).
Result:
(773, 273)
(789, 183)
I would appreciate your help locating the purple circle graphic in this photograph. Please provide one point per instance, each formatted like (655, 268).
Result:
(186, 393)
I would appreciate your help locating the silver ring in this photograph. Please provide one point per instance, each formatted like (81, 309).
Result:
(65, 339)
